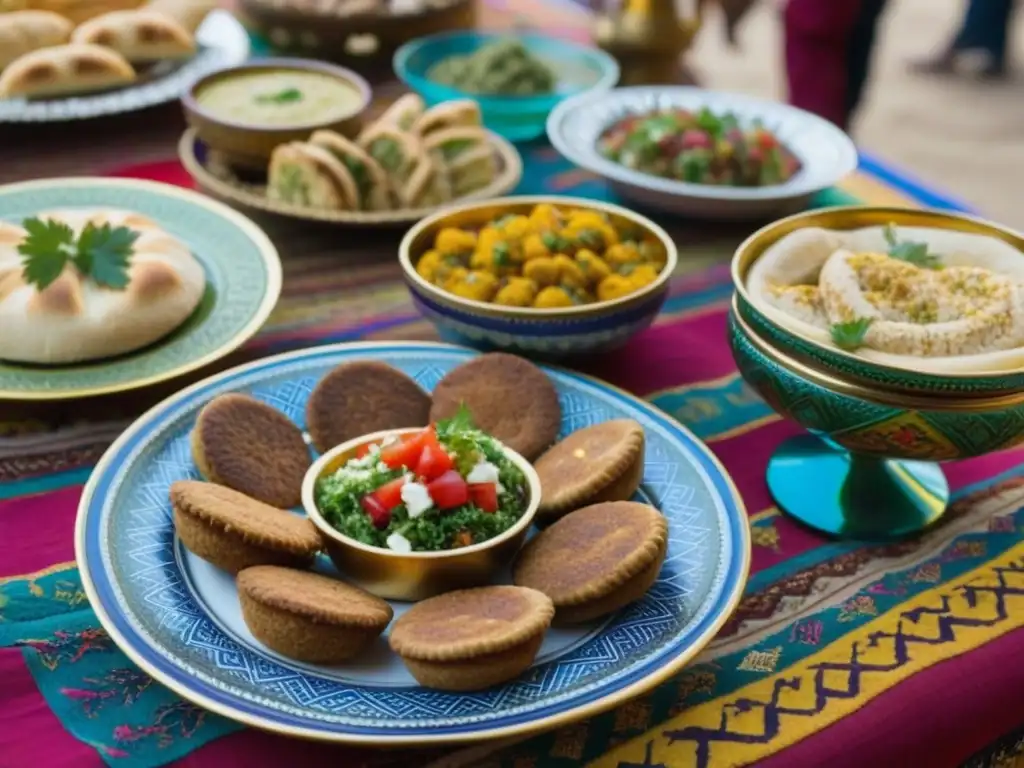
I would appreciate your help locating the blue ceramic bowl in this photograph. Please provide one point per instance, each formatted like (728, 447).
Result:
(537, 333)
(517, 118)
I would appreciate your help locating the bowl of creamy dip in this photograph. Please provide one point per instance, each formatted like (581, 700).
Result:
(245, 112)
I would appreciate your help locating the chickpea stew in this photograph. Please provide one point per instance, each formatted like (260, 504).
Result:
(549, 258)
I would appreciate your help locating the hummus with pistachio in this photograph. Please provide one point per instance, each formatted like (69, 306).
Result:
(931, 300)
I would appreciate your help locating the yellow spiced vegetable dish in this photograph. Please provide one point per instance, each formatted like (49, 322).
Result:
(546, 259)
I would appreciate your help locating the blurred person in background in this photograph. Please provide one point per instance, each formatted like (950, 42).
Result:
(982, 40)
(829, 46)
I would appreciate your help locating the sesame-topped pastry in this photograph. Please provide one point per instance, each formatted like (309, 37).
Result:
(80, 285)
(472, 639)
(252, 447)
(603, 462)
(235, 532)
(310, 617)
(596, 560)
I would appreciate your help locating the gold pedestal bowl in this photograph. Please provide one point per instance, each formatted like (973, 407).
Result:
(870, 466)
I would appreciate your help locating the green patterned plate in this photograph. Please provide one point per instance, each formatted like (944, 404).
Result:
(243, 276)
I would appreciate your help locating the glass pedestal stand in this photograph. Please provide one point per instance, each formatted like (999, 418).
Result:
(827, 488)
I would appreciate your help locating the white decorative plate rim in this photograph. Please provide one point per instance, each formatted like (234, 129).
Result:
(801, 185)
(103, 592)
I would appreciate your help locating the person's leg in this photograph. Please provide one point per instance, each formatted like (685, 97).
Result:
(817, 37)
(861, 48)
(985, 28)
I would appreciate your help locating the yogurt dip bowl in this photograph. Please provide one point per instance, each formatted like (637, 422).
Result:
(245, 112)
(412, 576)
(947, 236)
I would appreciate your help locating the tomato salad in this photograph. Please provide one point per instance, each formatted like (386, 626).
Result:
(444, 487)
(699, 148)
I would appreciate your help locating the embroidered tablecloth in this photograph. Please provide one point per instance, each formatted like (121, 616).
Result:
(840, 654)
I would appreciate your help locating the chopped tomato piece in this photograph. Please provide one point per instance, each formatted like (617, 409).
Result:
(434, 461)
(449, 490)
(766, 140)
(390, 494)
(380, 516)
(404, 453)
(485, 496)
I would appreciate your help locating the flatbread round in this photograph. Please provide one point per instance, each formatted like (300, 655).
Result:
(75, 319)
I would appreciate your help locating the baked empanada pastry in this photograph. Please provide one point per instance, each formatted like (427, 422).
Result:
(78, 11)
(22, 32)
(64, 70)
(370, 179)
(189, 13)
(139, 36)
(311, 177)
(467, 156)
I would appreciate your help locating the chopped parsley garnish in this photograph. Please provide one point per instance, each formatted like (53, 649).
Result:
(913, 253)
(101, 252)
(850, 335)
(501, 255)
(285, 96)
(554, 243)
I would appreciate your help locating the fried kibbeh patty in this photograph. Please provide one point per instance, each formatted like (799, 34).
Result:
(508, 397)
(234, 532)
(595, 560)
(247, 445)
(603, 462)
(310, 617)
(360, 398)
(472, 639)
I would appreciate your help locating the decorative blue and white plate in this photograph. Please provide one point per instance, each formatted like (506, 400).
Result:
(178, 617)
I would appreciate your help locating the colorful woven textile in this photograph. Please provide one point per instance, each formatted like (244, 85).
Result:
(843, 655)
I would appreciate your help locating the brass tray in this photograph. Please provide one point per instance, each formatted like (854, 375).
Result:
(214, 177)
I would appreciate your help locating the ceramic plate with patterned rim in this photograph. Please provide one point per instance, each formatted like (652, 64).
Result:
(178, 617)
(243, 282)
(221, 42)
(825, 152)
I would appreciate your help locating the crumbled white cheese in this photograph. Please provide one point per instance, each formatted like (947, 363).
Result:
(483, 472)
(389, 440)
(382, 467)
(398, 543)
(416, 498)
(353, 472)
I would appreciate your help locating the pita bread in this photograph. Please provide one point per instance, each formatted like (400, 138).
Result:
(428, 185)
(190, 14)
(397, 152)
(65, 70)
(374, 189)
(812, 257)
(450, 114)
(74, 319)
(404, 112)
(139, 36)
(310, 177)
(22, 32)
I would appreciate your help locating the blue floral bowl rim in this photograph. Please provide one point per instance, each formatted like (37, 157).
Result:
(530, 314)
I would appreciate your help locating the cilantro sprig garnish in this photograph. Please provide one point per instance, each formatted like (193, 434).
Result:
(100, 252)
(850, 335)
(913, 253)
(286, 96)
